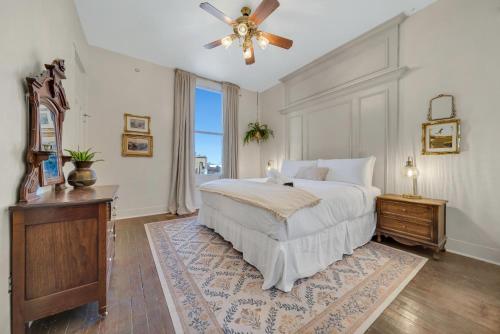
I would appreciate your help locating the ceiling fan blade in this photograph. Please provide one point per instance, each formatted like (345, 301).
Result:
(265, 9)
(276, 40)
(217, 13)
(214, 44)
(251, 60)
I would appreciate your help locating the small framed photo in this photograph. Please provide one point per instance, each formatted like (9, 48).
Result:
(137, 145)
(441, 137)
(137, 124)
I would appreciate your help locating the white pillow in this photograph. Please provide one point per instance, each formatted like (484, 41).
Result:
(357, 171)
(290, 168)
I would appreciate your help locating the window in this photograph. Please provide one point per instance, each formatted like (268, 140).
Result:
(208, 133)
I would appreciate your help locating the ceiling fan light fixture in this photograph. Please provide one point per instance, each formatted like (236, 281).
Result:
(247, 53)
(227, 41)
(242, 29)
(262, 42)
(245, 29)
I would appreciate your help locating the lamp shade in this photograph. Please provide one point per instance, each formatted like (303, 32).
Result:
(409, 170)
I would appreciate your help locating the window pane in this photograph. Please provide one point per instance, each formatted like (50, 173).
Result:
(208, 111)
(208, 157)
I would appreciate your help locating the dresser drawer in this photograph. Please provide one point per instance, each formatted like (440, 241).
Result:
(422, 212)
(419, 230)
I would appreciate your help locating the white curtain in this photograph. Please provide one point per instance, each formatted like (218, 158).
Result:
(230, 147)
(182, 184)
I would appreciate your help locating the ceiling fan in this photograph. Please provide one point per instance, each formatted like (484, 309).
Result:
(246, 27)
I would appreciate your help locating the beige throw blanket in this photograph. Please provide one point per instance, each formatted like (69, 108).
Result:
(280, 200)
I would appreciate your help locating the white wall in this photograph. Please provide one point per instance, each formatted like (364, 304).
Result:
(451, 47)
(249, 163)
(271, 102)
(115, 88)
(32, 33)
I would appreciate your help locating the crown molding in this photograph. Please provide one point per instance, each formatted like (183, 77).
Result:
(349, 87)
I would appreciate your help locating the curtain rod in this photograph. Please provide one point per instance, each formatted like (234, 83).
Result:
(205, 78)
(216, 81)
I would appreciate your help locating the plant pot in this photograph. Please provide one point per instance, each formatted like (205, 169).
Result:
(82, 175)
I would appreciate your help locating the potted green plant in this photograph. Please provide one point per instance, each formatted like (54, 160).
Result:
(257, 132)
(82, 175)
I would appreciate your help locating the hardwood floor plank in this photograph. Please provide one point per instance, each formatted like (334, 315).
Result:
(437, 318)
(139, 315)
(453, 295)
(396, 322)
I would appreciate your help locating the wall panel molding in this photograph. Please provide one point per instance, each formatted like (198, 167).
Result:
(347, 88)
(373, 53)
(345, 104)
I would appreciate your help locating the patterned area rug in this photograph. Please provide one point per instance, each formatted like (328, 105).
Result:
(209, 288)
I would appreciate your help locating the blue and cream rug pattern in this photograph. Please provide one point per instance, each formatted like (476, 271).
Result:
(209, 288)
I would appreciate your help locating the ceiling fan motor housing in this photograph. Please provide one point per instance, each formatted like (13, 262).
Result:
(245, 11)
(251, 27)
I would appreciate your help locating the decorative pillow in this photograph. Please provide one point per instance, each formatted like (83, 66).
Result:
(357, 171)
(274, 176)
(312, 173)
(290, 168)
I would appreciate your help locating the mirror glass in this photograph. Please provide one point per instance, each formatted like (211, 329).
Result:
(47, 130)
(48, 142)
(442, 107)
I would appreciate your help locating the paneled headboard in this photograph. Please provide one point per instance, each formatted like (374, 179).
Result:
(345, 104)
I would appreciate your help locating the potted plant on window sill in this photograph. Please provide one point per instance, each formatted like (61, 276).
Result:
(82, 175)
(257, 132)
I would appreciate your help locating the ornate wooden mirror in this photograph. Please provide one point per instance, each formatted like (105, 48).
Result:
(47, 106)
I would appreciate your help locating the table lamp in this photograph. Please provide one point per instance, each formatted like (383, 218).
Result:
(410, 171)
(269, 165)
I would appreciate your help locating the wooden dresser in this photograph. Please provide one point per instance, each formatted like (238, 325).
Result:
(412, 221)
(62, 252)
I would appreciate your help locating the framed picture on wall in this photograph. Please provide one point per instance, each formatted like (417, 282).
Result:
(137, 124)
(137, 145)
(441, 137)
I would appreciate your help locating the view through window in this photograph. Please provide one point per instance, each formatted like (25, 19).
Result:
(208, 132)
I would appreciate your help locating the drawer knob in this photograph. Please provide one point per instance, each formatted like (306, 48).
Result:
(110, 259)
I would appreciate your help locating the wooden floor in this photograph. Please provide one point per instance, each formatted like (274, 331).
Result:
(454, 295)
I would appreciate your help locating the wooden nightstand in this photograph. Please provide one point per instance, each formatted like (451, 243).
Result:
(412, 221)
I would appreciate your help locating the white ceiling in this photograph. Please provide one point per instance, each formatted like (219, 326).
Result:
(172, 33)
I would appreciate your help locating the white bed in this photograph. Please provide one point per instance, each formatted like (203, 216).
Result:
(307, 242)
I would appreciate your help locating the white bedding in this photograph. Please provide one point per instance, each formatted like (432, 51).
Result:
(309, 240)
(340, 202)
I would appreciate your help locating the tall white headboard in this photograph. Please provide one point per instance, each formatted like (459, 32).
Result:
(345, 104)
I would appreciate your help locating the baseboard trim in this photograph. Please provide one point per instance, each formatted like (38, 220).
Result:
(472, 250)
(141, 212)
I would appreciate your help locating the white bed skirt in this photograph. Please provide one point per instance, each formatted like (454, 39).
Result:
(281, 263)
